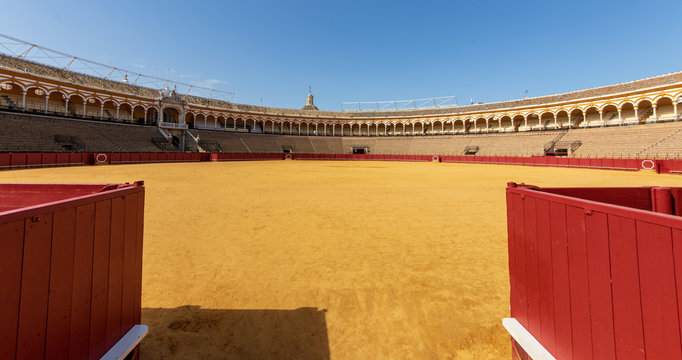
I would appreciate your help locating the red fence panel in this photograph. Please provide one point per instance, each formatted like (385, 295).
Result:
(33, 159)
(5, 160)
(591, 278)
(676, 166)
(18, 160)
(62, 158)
(76, 159)
(115, 158)
(54, 261)
(632, 164)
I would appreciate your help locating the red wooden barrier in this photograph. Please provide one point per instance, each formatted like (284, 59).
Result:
(70, 265)
(595, 273)
(34, 159)
(18, 160)
(5, 160)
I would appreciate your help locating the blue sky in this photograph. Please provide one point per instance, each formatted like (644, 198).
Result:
(366, 50)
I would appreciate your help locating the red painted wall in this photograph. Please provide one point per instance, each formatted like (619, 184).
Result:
(71, 270)
(593, 280)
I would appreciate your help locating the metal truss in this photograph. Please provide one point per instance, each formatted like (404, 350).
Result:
(428, 103)
(36, 53)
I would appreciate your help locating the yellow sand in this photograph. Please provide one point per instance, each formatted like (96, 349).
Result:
(319, 260)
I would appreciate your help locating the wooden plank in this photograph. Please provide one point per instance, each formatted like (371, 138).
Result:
(82, 282)
(544, 244)
(513, 286)
(11, 249)
(627, 307)
(61, 281)
(677, 255)
(100, 280)
(138, 257)
(519, 309)
(560, 282)
(115, 296)
(35, 280)
(129, 263)
(532, 276)
(578, 281)
(601, 314)
(659, 296)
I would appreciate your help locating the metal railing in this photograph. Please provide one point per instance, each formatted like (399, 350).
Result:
(170, 125)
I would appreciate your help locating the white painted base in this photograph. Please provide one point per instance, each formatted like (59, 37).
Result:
(530, 345)
(127, 343)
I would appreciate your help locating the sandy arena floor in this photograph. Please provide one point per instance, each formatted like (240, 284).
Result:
(320, 260)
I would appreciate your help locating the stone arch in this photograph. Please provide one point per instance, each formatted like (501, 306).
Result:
(220, 121)
(93, 107)
(438, 127)
(532, 121)
(76, 105)
(189, 118)
(152, 115)
(562, 119)
(576, 117)
(645, 111)
(627, 112)
(35, 98)
(506, 123)
(591, 114)
(478, 125)
(518, 121)
(547, 120)
(11, 94)
(57, 102)
(125, 111)
(492, 123)
(665, 110)
(418, 128)
(170, 115)
(200, 120)
(610, 114)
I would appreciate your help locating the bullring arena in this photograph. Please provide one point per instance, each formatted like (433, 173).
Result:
(287, 234)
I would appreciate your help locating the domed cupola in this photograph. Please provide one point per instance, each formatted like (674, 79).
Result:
(309, 101)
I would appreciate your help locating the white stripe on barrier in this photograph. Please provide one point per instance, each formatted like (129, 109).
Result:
(127, 343)
(530, 345)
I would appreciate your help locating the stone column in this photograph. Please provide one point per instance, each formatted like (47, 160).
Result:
(66, 107)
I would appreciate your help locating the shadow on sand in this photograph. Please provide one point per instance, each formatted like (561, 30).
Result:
(189, 332)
